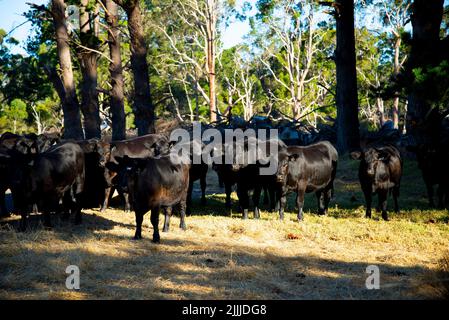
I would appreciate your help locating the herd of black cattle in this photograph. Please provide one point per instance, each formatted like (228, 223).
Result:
(47, 174)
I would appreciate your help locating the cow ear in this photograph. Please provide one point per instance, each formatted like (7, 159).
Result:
(356, 155)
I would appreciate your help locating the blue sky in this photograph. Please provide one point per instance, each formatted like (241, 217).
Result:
(11, 10)
(11, 16)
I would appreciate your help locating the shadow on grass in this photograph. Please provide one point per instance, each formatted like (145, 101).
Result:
(216, 271)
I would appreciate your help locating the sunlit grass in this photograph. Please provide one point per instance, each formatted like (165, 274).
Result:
(220, 256)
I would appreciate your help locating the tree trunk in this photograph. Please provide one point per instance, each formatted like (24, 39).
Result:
(70, 105)
(88, 63)
(116, 98)
(211, 41)
(397, 69)
(381, 111)
(426, 21)
(346, 93)
(143, 106)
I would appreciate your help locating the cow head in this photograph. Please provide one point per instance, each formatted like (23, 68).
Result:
(26, 145)
(160, 146)
(45, 141)
(284, 160)
(372, 159)
(128, 169)
(104, 152)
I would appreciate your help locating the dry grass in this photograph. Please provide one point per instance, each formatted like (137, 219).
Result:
(221, 256)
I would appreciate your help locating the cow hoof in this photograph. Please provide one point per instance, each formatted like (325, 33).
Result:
(385, 218)
(183, 227)
(165, 230)
(156, 240)
(203, 201)
(137, 238)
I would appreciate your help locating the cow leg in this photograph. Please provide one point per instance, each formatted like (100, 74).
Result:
(203, 189)
(243, 200)
(23, 222)
(368, 199)
(300, 203)
(220, 181)
(189, 197)
(395, 198)
(272, 195)
(167, 214)
(125, 196)
(182, 209)
(282, 202)
(266, 198)
(327, 199)
(228, 190)
(321, 206)
(139, 220)
(107, 194)
(440, 192)
(429, 187)
(76, 205)
(256, 200)
(155, 223)
(65, 206)
(383, 194)
(3, 209)
(47, 220)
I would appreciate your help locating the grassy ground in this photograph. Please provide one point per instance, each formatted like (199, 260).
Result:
(221, 256)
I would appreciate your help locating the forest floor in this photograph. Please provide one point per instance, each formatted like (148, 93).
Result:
(221, 256)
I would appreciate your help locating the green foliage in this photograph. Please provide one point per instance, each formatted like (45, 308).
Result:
(433, 83)
(13, 115)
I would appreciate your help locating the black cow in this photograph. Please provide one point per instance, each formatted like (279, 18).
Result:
(139, 147)
(228, 177)
(433, 162)
(95, 183)
(45, 141)
(380, 171)
(248, 172)
(197, 172)
(48, 178)
(13, 147)
(155, 183)
(307, 169)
